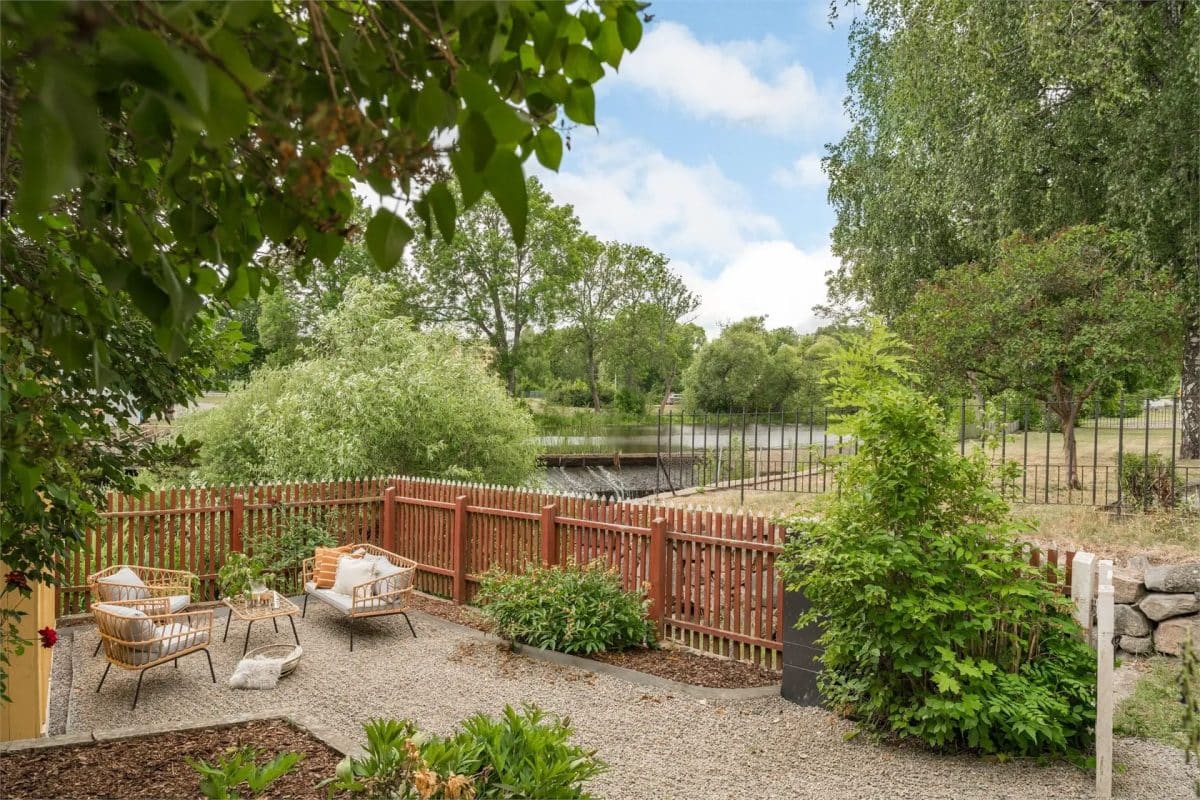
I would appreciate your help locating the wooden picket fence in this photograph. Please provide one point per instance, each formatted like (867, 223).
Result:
(710, 576)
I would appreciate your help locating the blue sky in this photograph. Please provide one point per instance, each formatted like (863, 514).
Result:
(708, 149)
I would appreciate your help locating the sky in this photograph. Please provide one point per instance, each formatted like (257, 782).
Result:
(708, 148)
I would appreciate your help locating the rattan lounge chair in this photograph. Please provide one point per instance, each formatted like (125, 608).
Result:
(380, 595)
(140, 634)
(134, 582)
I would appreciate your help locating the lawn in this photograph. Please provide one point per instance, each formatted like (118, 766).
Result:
(1154, 710)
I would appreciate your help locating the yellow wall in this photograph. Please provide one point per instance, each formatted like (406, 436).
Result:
(29, 673)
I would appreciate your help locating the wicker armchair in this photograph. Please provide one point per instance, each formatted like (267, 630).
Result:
(140, 634)
(378, 596)
(134, 582)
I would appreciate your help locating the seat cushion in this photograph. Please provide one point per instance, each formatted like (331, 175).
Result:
(176, 637)
(124, 584)
(341, 602)
(396, 578)
(352, 572)
(126, 624)
(325, 566)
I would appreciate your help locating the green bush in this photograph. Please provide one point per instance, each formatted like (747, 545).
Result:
(630, 401)
(1148, 480)
(376, 397)
(934, 626)
(282, 551)
(577, 394)
(521, 754)
(239, 769)
(570, 609)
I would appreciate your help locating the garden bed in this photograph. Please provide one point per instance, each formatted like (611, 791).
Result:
(154, 766)
(673, 664)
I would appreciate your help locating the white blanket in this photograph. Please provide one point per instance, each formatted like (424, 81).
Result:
(256, 673)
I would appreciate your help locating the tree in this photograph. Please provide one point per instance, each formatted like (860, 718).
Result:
(279, 329)
(974, 120)
(494, 286)
(1059, 319)
(375, 397)
(149, 150)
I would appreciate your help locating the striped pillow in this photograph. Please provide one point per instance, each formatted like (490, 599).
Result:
(325, 566)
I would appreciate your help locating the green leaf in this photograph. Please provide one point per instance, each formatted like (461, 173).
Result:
(506, 124)
(325, 247)
(470, 179)
(435, 108)
(548, 146)
(581, 63)
(506, 181)
(235, 59)
(183, 71)
(387, 236)
(581, 104)
(629, 27)
(47, 162)
(476, 138)
(278, 220)
(444, 212)
(608, 44)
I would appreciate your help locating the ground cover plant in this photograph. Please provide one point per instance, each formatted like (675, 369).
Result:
(519, 754)
(934, 625)
(1154, 710)
(570, 608)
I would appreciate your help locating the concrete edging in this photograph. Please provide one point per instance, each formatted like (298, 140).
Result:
(299, 720)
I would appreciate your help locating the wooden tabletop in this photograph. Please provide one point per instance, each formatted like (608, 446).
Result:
(244, 609)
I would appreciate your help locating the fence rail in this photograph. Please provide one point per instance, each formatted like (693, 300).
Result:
(711, 576)
(1126, 451)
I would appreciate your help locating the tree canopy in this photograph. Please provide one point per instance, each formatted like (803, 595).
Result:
(375, 397)
(974, 120)
(1060, 319)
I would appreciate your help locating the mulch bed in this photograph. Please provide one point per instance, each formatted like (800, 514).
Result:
(154, 766)
(675, 664)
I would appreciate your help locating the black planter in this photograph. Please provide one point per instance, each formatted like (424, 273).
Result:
(800, 654)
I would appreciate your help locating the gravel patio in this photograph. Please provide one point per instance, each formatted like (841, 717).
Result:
(658, 744)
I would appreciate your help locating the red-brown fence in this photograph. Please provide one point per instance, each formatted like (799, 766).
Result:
(710, 575)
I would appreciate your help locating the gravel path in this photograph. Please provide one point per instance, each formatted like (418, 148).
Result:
(658, 745)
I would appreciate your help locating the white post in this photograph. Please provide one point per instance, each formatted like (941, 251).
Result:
(1104, 682)
(1083, 576)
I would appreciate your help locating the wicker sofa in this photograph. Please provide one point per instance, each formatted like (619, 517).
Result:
(133, 582)
(371, 582)
(140, 634)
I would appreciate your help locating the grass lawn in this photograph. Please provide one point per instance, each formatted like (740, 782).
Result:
(1162, 536)
(1154, 710)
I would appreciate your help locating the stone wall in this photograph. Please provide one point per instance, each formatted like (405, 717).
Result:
(1157, 608)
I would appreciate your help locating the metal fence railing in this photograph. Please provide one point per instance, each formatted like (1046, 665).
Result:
(1125, 453)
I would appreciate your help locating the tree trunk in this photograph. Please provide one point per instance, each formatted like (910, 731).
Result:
(668, 384)
(510, 380)
(1066, 407)
(1189, 391)
(593, 382)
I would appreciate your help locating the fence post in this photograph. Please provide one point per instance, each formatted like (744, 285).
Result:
(389, 519)
(1083, 583)
(458, 547)
(1104, 682)
(237, 515)
(549, 537)
(658, 572)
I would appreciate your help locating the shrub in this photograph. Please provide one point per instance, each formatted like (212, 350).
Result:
(934, 625)
(570, 609)
(630, 401)
(1148, 480)
(521, 754)
(376, 397)
(281, 551)
(240, 768)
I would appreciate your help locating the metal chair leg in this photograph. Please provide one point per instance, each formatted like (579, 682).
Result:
(176, 663)
(102, 677)
(410, 625)
(96, 652)
(210, 669)
(138, 691)
(352, 634)
(296, 636)
(304, 613)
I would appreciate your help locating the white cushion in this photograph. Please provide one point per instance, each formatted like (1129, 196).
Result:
(133, 625)
(124, 584)
(397, 578)
(341, 602)
(351, 572)
(179, 602)
(180, 637)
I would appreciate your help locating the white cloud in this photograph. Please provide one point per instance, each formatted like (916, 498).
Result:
(804, 171)
(712, 80)
(628, 191)
(771, 278)
(734, 257)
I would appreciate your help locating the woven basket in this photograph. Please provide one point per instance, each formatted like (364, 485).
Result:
(289, 652)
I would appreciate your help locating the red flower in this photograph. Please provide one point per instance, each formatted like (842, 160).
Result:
(49, 636)
(16, 580)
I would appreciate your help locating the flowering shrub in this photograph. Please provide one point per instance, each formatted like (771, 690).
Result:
(49, 637)
(521, 754)
(570, 609)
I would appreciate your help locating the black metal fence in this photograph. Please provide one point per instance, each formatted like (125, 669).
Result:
(1125, 451)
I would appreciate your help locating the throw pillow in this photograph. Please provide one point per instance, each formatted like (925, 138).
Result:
(325, 566)
(131, 625)
(124, 584)
(352, 572)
